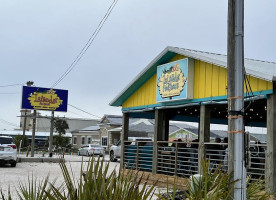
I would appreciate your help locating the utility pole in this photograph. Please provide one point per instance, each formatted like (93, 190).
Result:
(24, 127)
(33, 134)
(51, 135)
(29, 83)
(235, 89)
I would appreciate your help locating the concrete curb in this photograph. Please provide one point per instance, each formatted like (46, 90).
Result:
(30, 159)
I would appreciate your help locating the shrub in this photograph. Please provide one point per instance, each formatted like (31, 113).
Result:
(95, 183)
(18, 138)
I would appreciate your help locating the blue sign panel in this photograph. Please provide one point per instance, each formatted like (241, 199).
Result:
(172, 81)
(36, 98)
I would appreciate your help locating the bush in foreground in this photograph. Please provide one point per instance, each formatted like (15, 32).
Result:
(97, 184)
(94, 184)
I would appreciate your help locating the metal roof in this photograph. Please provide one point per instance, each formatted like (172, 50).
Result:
(146, 126)
(90, 128)
(111, 119)
(29, 133)
(259, 69)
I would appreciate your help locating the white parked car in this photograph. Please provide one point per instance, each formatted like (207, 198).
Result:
(8, 151)
(115, 150)
(91, 149)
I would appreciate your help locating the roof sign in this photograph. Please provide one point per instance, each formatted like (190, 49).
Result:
(172, 81)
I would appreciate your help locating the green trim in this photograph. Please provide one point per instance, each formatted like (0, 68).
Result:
(141, 107)
(143, 79)
(180, 102)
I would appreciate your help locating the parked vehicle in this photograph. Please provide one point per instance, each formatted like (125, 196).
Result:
(115, 150)
(91, 149)
(8, 151)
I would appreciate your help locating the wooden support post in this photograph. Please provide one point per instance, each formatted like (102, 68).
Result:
(159, 135)
(204, 133)
(176, 159)
(51, 135)
(137, 156)
(270, 161)
(124, 137)
(166, 126)
(33, 134)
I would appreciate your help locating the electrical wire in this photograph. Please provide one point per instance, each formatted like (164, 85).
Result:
(11, 85)
(8, 123)
(9, 93)
(83, 111)
(91, 114)
(87, 45)
(75, 113)
(249, 92)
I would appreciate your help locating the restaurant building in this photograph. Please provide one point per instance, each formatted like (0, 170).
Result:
(188, 85)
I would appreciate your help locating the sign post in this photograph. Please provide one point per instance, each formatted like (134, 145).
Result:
(51, 135)
(33, 134)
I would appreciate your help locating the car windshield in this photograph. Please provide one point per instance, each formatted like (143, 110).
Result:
(95, 146)
(5, 140)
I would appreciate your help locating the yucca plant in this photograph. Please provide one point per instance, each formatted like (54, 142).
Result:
(169, 194)
(217, 185)
(95, 183)
(212, 185)
(3, 197)
(256, 189)
(33, 189)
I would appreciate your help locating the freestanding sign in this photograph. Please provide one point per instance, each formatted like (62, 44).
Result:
(37, 98)
(175, 80)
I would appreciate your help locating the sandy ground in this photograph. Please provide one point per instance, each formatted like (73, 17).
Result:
(11, 177)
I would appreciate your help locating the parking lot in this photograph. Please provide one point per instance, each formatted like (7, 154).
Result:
(11, 177)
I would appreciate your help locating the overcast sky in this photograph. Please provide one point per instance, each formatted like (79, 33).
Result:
(40, 39)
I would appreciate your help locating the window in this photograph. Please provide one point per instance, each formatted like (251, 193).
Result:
(75, 140)
(82, 140)
(6, 140)
(89, 140)
(104, 141)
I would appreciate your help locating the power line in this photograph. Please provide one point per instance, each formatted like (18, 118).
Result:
(11, 85)
(8, 123)
(9, 93)
(90, 113)
(87, 45)
(83, 111)
(75, 113)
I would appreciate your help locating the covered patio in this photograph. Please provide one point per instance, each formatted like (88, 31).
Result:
(191, 86)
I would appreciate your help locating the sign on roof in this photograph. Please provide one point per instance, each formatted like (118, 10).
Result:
(172, 81)
(36, 98)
